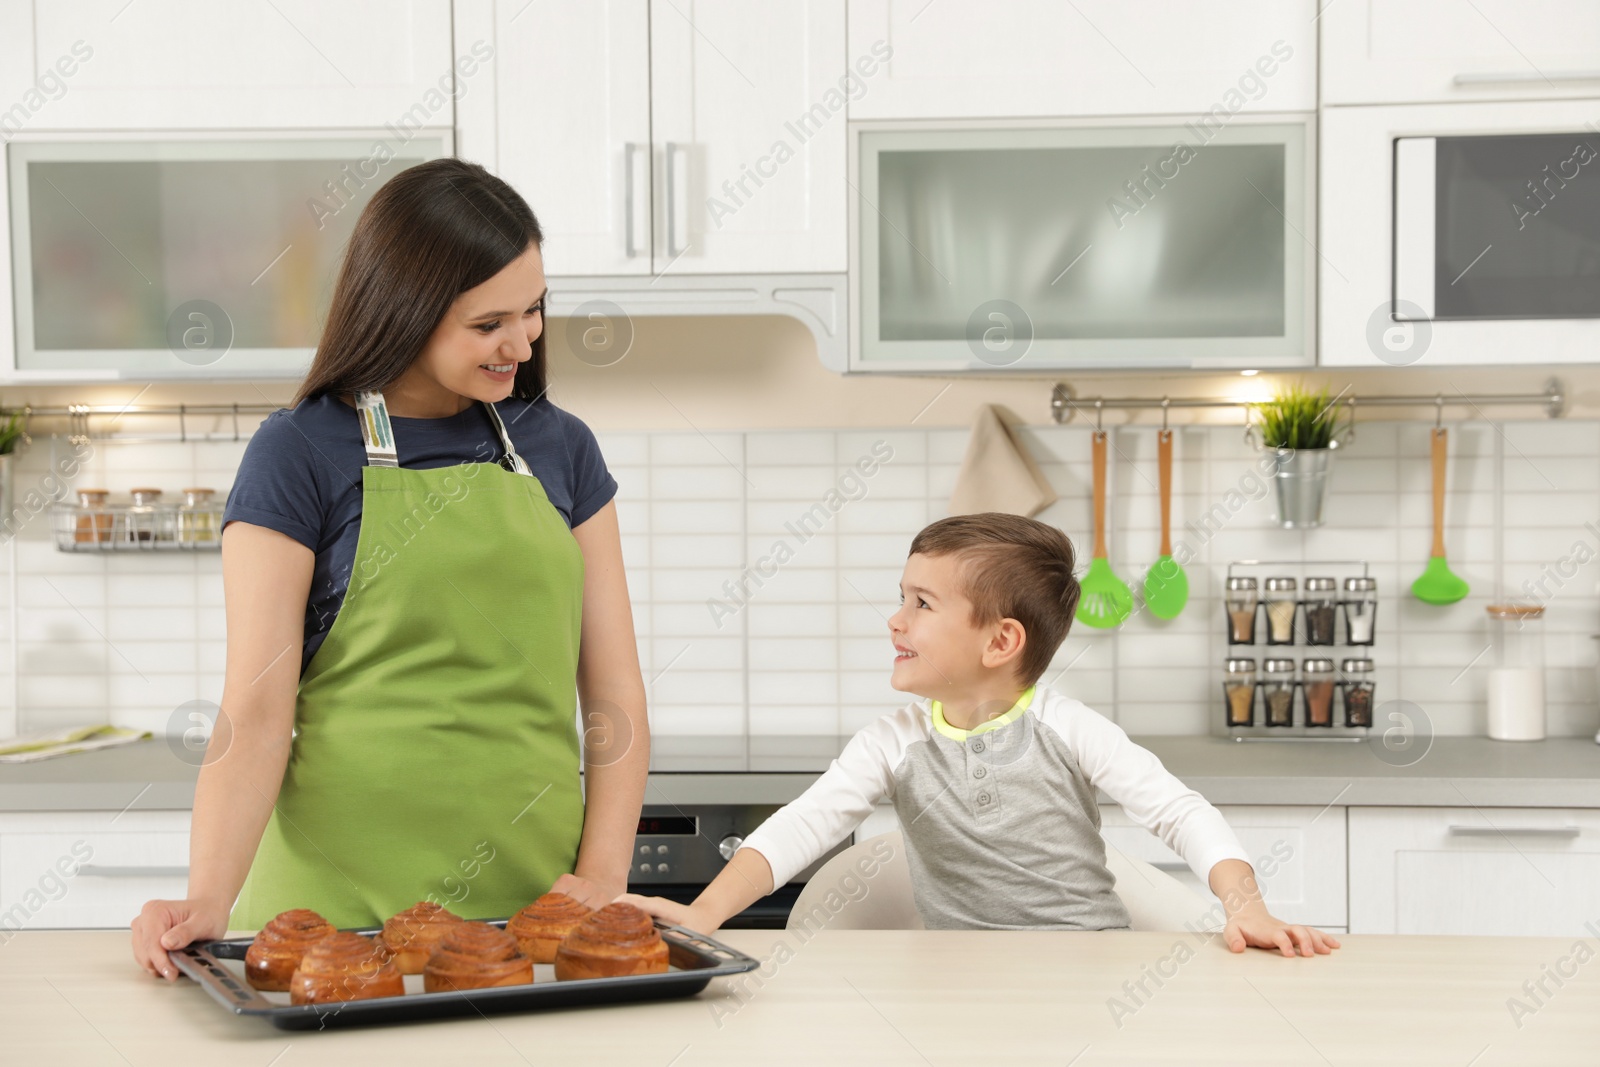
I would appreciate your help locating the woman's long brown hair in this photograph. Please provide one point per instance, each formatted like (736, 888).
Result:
(431, 232)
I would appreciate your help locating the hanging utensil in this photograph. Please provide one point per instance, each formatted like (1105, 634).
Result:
(1166, 587)
(1438, 585)
(1105, 600)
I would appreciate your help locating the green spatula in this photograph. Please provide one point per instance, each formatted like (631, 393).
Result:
(1105, 600)
(1437, 584)
(1166, 587)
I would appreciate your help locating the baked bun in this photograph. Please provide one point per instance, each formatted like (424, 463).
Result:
(473, 955)
(344, 966)
(540, 926)
(410, 937)
(618, 939)
(276, 951)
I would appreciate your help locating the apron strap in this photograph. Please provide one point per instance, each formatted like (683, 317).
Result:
(376, 432)
(378, 435)
(512, 461)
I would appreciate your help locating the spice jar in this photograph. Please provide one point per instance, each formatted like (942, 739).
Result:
(197, 521)
(1241, 604)
(1277, 691)
(1281, 607)
(144, 517)
(93, 522)
(1357, 692)
(1320, 604)
(1516, 681)
(1360, 610)
(1239, 689)
(1316, 690)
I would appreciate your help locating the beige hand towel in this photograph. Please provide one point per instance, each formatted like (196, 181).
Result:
(998, 474)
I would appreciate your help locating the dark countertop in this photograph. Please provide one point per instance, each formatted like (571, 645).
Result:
(1456, 771)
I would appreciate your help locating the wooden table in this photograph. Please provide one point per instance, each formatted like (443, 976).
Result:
(892, 997)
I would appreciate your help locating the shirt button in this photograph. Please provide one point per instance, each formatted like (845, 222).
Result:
(983, 798)
(977, 746)
(979, 773)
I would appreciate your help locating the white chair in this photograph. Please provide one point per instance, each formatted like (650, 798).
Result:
(1155, 900)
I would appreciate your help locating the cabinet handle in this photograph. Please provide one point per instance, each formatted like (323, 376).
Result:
(1515, 831)
(1501, 77)
(1169, 865)
(628, 150)
(672, 201)
(99, 870)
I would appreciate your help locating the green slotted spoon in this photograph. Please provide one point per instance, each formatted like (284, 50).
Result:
(1166, 587)
(1438, 585)
(1105, 600)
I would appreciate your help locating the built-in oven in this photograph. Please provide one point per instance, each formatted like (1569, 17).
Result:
(1461, 233)
(706, 794)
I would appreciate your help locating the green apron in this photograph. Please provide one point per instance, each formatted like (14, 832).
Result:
(436, 749)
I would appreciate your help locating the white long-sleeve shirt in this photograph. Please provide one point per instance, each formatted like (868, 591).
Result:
(1001, 822)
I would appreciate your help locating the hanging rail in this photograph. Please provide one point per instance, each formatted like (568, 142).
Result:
(1063, 401)
(78, 418)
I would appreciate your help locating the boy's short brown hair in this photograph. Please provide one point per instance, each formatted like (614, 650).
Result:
(1011, 568)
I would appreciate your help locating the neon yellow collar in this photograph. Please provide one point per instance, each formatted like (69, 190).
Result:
(956, 734)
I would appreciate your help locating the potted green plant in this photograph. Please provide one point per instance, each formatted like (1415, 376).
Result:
(1302, 429)
(13, 433)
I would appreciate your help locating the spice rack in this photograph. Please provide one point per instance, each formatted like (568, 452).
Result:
(1301, 637)
(157, 527)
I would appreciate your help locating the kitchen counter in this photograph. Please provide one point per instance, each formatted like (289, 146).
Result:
(1455, 771)
(889, 997)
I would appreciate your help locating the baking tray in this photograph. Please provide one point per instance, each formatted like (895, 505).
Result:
(694, 960)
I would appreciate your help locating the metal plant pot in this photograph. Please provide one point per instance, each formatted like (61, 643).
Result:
(1302, 478)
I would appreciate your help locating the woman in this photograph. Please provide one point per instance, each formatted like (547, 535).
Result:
(439, 544)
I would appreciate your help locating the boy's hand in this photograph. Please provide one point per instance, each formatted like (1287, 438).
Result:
(671, 911)
(1256, 927)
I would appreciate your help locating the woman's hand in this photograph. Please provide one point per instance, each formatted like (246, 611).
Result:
(172, 924)
(671, 911)
(587, 891)
(1256, 927)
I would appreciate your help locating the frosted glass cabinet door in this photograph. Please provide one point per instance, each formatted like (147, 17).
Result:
(1067, 247)
(185, 258)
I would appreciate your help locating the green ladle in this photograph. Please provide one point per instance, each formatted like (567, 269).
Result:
(1438, 585)
(1104, 600)
(1166, 587)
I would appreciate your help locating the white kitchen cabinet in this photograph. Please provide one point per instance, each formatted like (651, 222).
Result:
(572, 127)
(690, 136)
(748, 117)
(88, 868)
(1517, 872)
(189, 64)
(1298, 854)
(1428, 51)
(1043, 58)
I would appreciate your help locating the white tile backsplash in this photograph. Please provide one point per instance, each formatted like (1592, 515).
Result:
(731, 645)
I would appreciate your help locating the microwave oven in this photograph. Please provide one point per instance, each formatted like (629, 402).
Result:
(1461, 234)
(1027, 245)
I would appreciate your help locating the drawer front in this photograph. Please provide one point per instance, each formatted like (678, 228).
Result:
(1519, 872)
(90, 879)
(1298, 854)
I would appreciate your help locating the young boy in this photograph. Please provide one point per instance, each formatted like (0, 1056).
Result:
(993, 777)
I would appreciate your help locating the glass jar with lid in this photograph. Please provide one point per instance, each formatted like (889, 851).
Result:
(1321, 602)
(92, 524)
(1316, 691)
(1357, 691)
(197, 518)
(1360, 610)
(1239, 691)
(1281, 606)
(1277, 691)
(148, 523)
(1515, 685)
(1241, 603)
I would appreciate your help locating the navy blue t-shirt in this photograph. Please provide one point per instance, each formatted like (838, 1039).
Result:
(301, 476)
